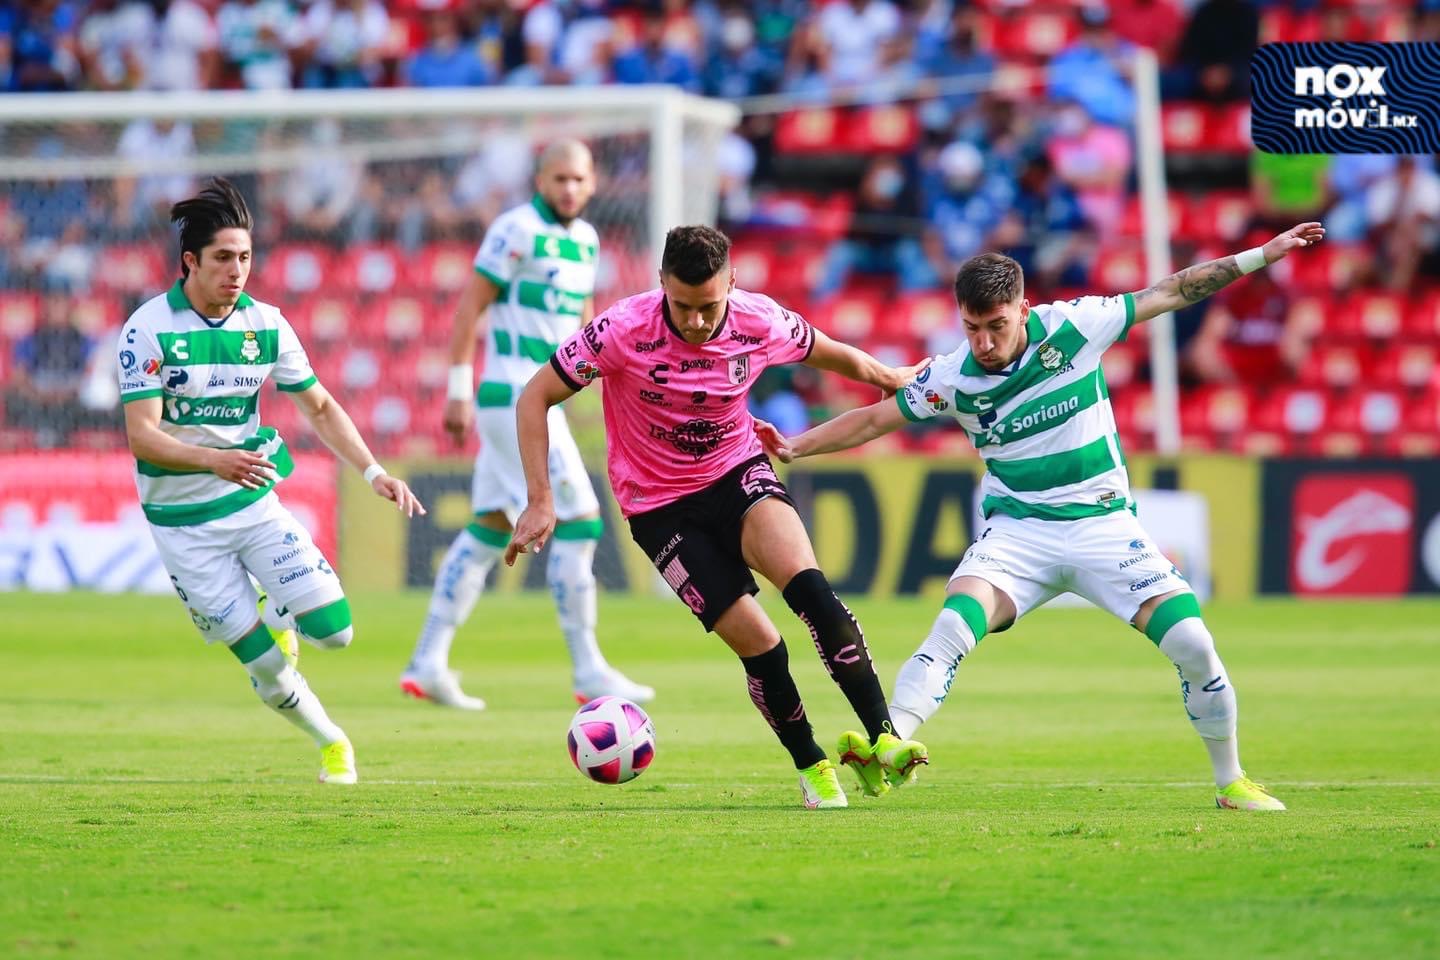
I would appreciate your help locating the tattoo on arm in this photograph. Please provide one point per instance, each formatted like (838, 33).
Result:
(1191, 284)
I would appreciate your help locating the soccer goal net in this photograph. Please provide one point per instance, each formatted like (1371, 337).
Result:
(369, 207)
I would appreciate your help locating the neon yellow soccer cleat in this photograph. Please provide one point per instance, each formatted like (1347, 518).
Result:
(902, 759)
(1246, 794)
(856, 753)
(337, 763)
(285, 637)
(820, 787)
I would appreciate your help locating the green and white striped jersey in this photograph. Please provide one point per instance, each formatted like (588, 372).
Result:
(545, 271)
(1044, 427)
(208, 374)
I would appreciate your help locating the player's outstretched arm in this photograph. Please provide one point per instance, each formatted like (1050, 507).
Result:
(334, 426)
(1197, 282)
(850, 429)
(856, 364)
(475, 299)
(532, 427)
(153, 445)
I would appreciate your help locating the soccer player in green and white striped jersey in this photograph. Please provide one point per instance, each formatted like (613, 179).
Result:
(191, 364)
(535, 281)
(1028, 388)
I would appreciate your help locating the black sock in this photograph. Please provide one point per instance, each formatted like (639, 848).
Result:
(773, 692)
(841, 646)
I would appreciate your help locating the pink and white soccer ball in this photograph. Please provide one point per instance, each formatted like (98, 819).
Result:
(611, 740)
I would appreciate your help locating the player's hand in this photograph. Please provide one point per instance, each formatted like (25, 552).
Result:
(1300, 235)
(399, 492)
(245, 467)
(774, 442)
(903, 375)
(532, 529)
(458, 414)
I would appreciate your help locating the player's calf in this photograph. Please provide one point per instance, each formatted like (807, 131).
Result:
(924, 680)
(841, 645)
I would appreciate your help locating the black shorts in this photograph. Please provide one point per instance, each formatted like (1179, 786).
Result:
(695, 541)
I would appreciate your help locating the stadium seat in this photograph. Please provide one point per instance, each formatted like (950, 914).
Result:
(850, 317)
(1370, 316)
(1132, 223)
(1221, 411)
(811, 130)
(892, 128)
(1408, 365)
(19, 312)
(1122, 364)
(300, 268)
(1030, 34)
(1182, 127)
(1371, 413)
(1119, 267)
(371, 269)
(754, 264)
(1298, 412)
(1422, 320)
(137, 269)
(1219, 216)
(1328, 267)
(329, 319)
(1422, 413)
(1335, 365)
(920, 314)
(96, 314)
(404, 320)
(1309, 315)
(440, 268)
(1227, 128)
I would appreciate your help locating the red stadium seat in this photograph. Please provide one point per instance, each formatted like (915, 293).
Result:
(1370, 316)
(404, 320)
(138, 269)
(372, 269)
(1119, 267)
(300, 269)
(1133, 222)
(1218, 410)
(1370, 412)
(1335, 365)
(1219, 216)
(1409, 365)
(441, 268)
(1422, 413)
(1227, 128)
(921, 314)
(330, 319)
(1122, 364)
(892, 128)
(1299, 412)
(1182, 127)
(810, 130)
(19, 313)
(849, 317)
(754, 264)
(96, 314)
(1328, 267)
(1309, 315)
(1037, 34)
(1422, 320)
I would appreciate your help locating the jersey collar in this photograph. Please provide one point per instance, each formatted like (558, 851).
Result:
(1034, 333)
(543, 208)
(178, 302)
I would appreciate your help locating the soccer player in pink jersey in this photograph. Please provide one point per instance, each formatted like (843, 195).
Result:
(700, 495)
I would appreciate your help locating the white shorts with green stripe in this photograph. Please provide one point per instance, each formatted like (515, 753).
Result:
(1109, 560)
(499, 481)
(208, 562)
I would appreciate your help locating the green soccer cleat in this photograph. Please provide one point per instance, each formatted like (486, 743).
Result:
(901, 759)
(337, 763)
(285, 637)
(820, 787)
(856, 753)
(1246, 794)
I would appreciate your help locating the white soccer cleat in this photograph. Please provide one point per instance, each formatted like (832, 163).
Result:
(611, 683)
(441, 688)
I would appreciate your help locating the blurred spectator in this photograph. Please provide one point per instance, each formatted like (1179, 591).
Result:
(495, 26)
(1402, 211)
(651, 61)
(1213, 62)
(159, 147)
(115, 39)
(260, 36)
(1350, 177)
(1156, 24)
(345, 41)
(560, 50)
(43, 48)
(1093, 160)
(964, 203)
(43, 391)
(322, 196)
(495, 178)
(446, 60)
(1246, 336)
(884, 234)
(1045, 230)
(773, 398)
(737, 67)
(847, 39)
(1094, 71)
(186, 53)
(1288, 188)
(735, 165)
(43, 210)
(956, 59)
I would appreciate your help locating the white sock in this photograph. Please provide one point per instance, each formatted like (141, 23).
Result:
(458, 584)
(1209, 698)
(570, 572)
(924, 680)
(285, 691)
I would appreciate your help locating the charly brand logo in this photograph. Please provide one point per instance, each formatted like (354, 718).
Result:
(1346, 97)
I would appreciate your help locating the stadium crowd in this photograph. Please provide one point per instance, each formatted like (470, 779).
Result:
(883, 144)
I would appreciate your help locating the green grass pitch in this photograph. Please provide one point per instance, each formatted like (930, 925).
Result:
(150, 807)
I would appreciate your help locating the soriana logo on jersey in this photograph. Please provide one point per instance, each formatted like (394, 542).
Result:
(1352, 533)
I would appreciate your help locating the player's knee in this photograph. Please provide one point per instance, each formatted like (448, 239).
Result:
(329, 626)
(1189, 644)
(811, 597)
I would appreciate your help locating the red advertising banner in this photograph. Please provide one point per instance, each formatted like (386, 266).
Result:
(71, 519)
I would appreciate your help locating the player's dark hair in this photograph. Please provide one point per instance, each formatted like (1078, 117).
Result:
(694, 254)
(986, 281)
(219, 206)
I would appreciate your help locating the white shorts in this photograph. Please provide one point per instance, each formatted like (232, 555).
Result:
(208, 563)
(499, 482)
(1108, 560)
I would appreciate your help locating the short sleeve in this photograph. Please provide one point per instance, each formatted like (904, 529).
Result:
(791, 338)
(588, 353)
(926, 396)
(499, 256)
(138, 362)
(1102, 320)
(292, 371)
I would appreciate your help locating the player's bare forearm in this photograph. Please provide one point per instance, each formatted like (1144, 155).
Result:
(850, 362)
(1197, 282)
(468, 322)
(334, 426)
(851, 429)
(151, 444)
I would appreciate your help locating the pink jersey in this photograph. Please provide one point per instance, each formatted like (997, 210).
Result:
(676, 418)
